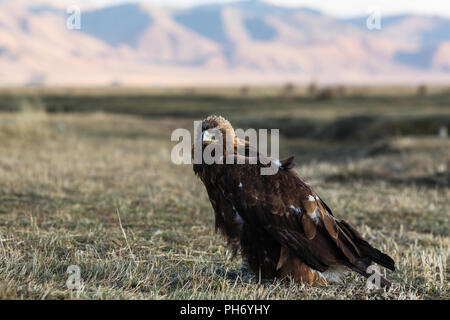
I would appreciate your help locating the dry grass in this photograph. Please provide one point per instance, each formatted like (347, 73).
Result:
(65, 178)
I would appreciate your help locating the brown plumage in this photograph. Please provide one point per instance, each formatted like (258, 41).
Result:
(280, 226)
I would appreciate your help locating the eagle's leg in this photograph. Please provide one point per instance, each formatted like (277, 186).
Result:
(291, 266)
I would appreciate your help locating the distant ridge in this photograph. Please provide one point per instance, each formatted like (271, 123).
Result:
(247, 42)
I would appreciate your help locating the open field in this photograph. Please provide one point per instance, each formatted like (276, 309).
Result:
(72, 164)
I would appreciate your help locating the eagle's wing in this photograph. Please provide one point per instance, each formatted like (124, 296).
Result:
(290, 211)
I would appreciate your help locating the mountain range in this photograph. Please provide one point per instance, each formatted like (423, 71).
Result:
(247, 42)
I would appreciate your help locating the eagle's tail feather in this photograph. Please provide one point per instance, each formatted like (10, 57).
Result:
(367, 254)
(384, 283)
(376, 255)
(365, 249)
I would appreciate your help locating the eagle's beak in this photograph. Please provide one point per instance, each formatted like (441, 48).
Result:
(207, 136)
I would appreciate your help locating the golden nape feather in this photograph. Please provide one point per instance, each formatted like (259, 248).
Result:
(278, 223)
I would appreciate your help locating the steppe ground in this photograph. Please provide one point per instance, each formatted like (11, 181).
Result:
(97, 189)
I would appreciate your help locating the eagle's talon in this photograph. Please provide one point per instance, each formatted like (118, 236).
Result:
(244, 274)
(244, 267)
(227, 274)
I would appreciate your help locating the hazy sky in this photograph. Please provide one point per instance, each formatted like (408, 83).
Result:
(342, 8)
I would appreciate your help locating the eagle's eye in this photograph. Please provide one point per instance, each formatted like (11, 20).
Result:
(211, 134)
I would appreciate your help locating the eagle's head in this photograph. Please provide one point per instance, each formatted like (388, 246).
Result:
(216, 123)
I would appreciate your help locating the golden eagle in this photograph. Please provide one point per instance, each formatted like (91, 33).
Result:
(277, 222)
